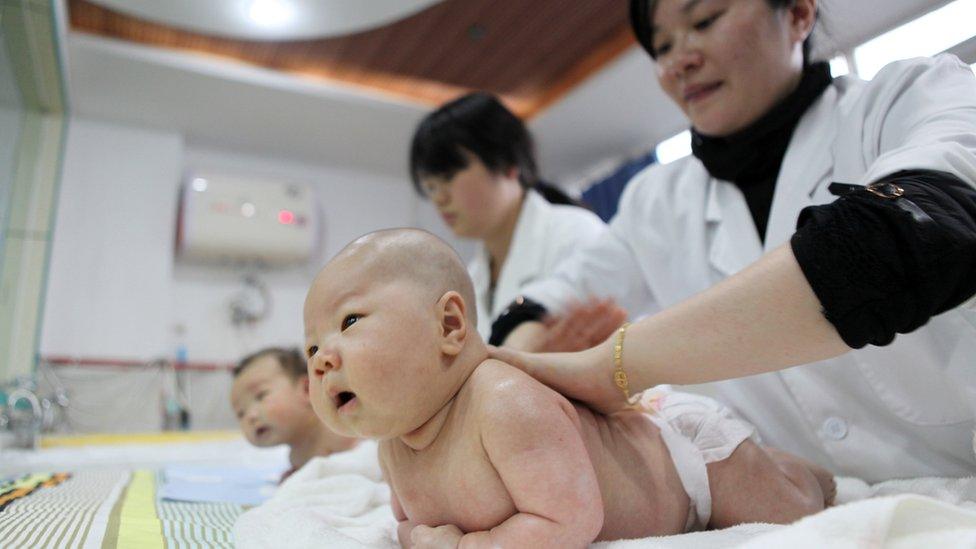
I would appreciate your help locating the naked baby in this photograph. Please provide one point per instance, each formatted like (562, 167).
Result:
(478, 453)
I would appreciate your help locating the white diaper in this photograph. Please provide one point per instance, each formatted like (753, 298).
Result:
(697, 431)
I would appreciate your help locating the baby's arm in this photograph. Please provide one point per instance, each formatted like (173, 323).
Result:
(404, 526)
(752, 485)
(533, 442)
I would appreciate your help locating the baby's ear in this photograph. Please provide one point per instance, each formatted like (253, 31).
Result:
(452, 313)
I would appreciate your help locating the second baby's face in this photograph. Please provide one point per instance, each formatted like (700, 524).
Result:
(270, 405)
(372, 345)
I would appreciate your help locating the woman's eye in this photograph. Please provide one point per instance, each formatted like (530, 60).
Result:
(707, 22)
(350, 320)
(312, 350)
(662, 49)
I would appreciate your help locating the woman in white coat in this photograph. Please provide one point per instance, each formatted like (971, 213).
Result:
(758, 263)
(474, 160)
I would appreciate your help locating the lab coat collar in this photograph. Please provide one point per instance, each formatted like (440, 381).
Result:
(524, 259)
(809, 160)
(734, 243)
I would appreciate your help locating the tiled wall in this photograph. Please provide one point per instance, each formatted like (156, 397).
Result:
(33, 134)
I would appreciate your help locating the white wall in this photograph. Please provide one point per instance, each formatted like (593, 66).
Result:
(111, 268)
(115, 290)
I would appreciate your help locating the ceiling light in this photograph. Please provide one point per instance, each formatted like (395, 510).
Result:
(271, 13)
(928, 35)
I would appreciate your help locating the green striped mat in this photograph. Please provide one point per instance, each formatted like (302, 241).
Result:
(113, 509)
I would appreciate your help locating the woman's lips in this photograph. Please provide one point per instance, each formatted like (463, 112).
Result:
(696, 93)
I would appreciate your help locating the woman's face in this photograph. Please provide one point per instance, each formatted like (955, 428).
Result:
(474, 202)
(727, 62)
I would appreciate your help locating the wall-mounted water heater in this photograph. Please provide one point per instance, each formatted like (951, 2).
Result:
(233, 219)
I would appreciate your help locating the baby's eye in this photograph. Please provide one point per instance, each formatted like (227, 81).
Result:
(350, 320)
(239, 414)
(261, 394)
(312, 350)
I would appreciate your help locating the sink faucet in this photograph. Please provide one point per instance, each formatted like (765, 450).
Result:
(25, 428)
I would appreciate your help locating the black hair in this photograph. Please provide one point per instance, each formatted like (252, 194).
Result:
(555, 195)
(290, 360)
(640, 21)
(476, 123)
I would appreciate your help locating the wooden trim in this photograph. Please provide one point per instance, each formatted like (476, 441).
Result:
(613, 48)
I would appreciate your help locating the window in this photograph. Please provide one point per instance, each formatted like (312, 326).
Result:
(930, 34)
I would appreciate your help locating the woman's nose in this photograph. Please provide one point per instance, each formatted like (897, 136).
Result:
(683, 59)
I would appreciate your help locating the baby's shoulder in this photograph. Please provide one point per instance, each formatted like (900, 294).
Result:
(499, 391)
(499, 379)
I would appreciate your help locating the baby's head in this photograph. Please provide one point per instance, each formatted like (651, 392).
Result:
(390, 333)
(269, 395)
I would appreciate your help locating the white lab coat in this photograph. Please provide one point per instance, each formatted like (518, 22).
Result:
(903, 410)
(544, 235)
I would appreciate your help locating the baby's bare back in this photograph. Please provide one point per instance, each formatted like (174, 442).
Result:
(454, 480)
(642, 492)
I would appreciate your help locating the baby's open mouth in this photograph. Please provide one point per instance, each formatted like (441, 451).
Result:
(261, 431)
(344, 398)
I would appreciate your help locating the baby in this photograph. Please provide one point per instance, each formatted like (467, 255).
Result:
(478, 453)
(269, 395)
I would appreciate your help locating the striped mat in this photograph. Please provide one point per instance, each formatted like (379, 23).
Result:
(112, 509)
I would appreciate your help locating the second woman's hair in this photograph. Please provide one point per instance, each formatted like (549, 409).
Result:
(641, 12)
(477, 124)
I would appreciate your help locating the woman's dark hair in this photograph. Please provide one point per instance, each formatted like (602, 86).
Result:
(479, 124)
(291, 361)
(555, 195)
(640, 21)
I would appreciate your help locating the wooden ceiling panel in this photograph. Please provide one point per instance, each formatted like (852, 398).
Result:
(529, 52)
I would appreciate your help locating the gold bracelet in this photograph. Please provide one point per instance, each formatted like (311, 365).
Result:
(619, 376)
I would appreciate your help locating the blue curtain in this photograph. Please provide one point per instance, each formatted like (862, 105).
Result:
(604, 195)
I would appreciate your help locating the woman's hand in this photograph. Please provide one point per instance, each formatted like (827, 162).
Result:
(581, 326)
(585, 376)
(447, 536)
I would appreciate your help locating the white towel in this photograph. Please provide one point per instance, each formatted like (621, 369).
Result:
(339, 501)
(895, 522)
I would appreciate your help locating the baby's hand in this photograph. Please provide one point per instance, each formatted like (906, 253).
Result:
(442, 537)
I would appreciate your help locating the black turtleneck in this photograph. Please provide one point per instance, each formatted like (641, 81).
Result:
(751, 157)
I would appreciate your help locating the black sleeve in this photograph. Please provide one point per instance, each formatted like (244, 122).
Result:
(882, 265)
(521, 310)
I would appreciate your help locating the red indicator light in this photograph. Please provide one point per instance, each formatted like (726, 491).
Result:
(285, 217)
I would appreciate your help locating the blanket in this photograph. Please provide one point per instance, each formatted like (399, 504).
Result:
(341, 501)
